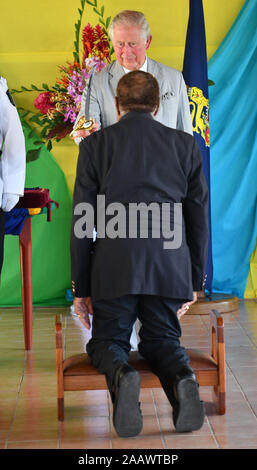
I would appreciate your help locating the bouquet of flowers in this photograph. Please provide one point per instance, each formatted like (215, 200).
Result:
(59, 105)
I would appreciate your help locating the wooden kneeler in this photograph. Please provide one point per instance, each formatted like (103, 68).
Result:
(77, 372)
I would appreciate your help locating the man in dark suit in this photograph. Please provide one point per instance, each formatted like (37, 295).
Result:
(138, 164)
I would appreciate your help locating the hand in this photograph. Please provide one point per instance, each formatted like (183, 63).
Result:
(83, 306)
(9, 201)
(184, 308)
(84, 133)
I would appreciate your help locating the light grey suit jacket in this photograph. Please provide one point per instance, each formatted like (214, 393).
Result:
(174, 109)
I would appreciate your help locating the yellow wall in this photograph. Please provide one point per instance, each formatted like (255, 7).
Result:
(37, 36)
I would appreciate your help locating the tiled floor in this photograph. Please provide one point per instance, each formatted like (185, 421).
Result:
(28, 408)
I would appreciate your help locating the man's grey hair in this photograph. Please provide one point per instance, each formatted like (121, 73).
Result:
(131, 18)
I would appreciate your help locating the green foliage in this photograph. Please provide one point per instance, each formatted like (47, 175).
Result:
(41, 123)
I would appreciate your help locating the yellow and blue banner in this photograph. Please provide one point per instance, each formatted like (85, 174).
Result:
(196, 78)
(233, 115)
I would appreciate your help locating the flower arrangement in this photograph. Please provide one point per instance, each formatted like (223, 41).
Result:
(58, 106)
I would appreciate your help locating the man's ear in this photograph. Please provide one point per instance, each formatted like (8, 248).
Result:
(117, 108)
(148, 42)
(157, 108)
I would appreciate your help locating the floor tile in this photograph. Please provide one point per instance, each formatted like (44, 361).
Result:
(85, 444)
(190, 441)
(237, 441)
(28, 404)
(139, 442)
(86, 427)
(33, 444)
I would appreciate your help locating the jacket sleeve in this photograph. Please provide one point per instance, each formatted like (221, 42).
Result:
(184, 121)
(13, 159)
(83, 221)
(195, 211)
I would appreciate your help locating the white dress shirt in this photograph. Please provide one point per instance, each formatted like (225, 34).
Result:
(12, 145)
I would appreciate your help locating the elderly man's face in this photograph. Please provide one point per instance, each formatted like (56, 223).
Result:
(129, 46)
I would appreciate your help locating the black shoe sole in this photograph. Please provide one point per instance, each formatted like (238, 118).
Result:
(127, 418)
(191, 408)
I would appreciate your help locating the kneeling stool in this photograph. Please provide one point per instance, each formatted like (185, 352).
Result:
(77, 372)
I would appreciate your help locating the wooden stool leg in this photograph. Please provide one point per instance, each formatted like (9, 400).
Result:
(25, 245)
(218, 354)
(221, 389)
(59, 369)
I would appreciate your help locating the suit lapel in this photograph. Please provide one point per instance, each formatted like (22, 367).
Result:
(115, 73)
(153, 68)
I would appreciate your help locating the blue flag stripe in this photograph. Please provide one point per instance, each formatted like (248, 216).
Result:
(196, 78)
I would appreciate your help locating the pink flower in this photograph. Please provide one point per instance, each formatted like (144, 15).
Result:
(43, 102)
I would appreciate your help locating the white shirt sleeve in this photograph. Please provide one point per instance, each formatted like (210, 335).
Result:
(13, 159)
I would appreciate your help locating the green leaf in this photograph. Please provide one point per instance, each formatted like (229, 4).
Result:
(60, 88)
(49, 145)
(32, 134)
(97, 12)
(108, 21)
(33, 155)
(24, 114)
(35, 119)
(38, 142)
(211, 82)
(45, 86)
(102, 11)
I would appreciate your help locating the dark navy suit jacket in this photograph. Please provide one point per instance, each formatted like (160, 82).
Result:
(140, 160)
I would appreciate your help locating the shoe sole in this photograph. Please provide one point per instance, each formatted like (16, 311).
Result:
(127, 418)
(191, 408)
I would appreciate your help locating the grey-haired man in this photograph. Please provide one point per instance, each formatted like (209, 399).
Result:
(131, 38)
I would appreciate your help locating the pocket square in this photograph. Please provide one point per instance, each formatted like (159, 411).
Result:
(168, 95)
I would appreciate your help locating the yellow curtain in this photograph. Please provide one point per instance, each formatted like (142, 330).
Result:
(251, 286)
(37, 37)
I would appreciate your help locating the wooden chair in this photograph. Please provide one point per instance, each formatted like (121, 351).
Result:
(77, 372)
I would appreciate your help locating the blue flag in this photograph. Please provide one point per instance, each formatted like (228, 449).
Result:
(196, 79)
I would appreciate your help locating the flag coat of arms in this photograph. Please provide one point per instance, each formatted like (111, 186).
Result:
(196, 78)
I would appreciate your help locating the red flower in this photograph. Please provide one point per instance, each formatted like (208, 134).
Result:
(88, 39)
(60, 130)
(101, 42)
(95, 42)
(43, 102)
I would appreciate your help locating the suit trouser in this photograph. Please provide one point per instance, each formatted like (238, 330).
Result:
(2, 230)
(159, 335)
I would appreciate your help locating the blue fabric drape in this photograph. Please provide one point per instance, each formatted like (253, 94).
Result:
(14, 221)
(233, 118)
(196, 78)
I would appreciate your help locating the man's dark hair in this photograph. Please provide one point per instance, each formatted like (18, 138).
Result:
(138, 91)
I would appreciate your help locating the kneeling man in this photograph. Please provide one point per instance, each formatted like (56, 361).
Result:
(148, 269)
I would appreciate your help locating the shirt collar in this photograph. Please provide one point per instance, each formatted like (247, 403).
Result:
(143, 68)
